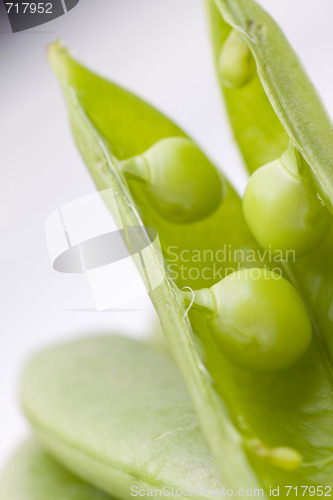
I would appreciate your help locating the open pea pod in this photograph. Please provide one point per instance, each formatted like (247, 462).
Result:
(263, 429)
(31, 474)
(292, 97)
(116, 412)
(279, 104)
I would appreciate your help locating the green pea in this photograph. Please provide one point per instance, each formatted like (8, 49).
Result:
(236, 65)
(282, 209)
(257, 319)
(182, 184)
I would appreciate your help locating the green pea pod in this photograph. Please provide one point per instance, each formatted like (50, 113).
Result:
(117, 413)
(32, 474)
(278, 105)
(289, 91)
(99, 112)
(263, 430)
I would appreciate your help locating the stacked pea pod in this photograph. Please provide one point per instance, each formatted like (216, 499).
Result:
(253, 346)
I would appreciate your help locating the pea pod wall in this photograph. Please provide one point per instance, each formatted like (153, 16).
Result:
(254, 423)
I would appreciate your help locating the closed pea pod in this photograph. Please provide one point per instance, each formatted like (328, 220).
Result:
(257, 319)
(281, 206)
(182, 184)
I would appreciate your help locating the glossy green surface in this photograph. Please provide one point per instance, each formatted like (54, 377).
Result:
(236, 63)
(253, 423)
(31, 474)
(260, 321)
(117, 413)
(283, 211)
(182, 184)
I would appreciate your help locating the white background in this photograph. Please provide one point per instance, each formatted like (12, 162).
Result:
(160, 50)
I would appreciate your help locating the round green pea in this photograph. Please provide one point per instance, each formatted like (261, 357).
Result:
(236, 64)
(283, 211)
(260, 321)
(182, 185)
